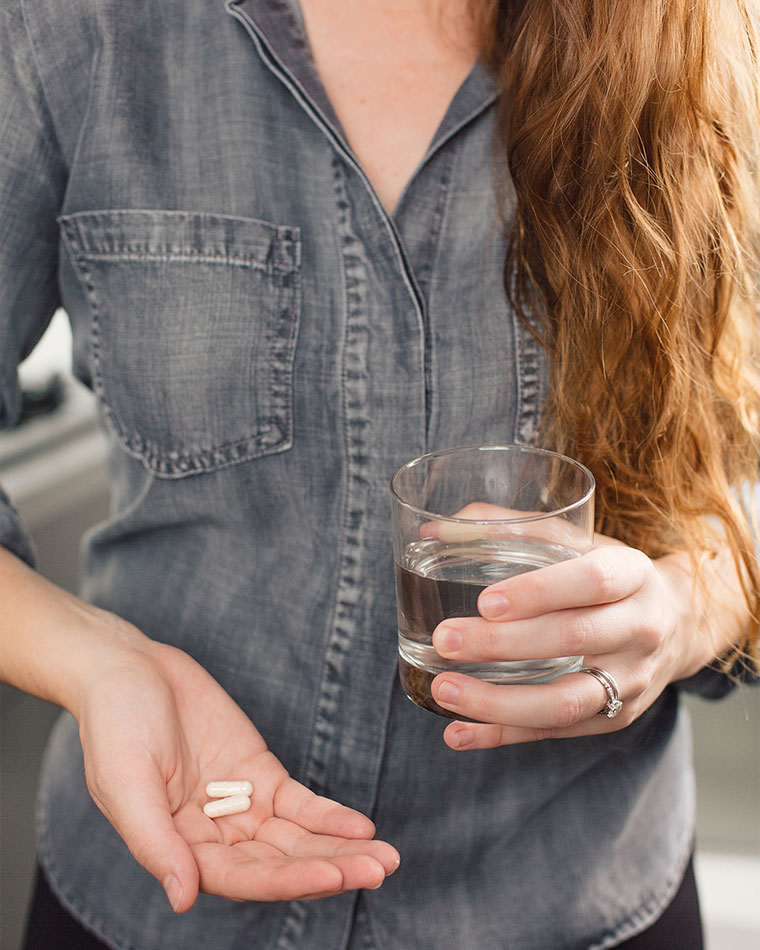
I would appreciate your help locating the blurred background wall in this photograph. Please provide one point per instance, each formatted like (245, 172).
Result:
(52, 467)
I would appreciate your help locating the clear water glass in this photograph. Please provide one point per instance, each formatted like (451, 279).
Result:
(465, 518)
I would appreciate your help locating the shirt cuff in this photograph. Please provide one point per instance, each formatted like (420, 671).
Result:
(13, 535)
(712, 683)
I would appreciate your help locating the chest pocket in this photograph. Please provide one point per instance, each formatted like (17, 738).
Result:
(194, 322)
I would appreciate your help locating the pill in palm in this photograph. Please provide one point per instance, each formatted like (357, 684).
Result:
(223, 789)
(232, 805)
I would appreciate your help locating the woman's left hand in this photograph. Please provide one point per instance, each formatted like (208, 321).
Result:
(636, 618)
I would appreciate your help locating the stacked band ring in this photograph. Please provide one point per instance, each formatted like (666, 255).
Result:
(613, 705)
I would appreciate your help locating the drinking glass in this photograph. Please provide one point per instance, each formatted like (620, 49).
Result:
(465, 518)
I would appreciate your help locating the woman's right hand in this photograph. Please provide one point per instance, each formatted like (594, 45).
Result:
(155, 729)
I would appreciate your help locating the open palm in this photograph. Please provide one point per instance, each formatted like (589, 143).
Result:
(155, 729)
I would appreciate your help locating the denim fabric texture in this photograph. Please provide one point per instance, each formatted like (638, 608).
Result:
(268, 345)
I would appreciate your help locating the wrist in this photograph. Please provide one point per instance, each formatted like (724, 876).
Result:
(709, 608)
(99, 641)
(53, 643)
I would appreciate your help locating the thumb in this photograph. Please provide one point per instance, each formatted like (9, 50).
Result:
(140, 813)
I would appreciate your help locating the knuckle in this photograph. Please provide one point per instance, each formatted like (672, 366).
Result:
(575, 632)
(539, 733)
(638, 681)
(642, 563)
(491, 642)
(639, 567)
(487, 707)
(568, 708)
(603, 576)
(650, 628)
(499, 736)
(654, 637)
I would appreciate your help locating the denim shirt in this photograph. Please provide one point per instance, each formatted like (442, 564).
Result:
(268, 345)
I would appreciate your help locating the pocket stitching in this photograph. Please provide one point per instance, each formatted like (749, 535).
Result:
(184, 256)
(177, 464)
(279, 237)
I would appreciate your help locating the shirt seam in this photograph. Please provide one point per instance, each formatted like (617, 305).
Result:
(47, 99)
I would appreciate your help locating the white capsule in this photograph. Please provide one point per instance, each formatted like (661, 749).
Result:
(231, 805)
(223, 789)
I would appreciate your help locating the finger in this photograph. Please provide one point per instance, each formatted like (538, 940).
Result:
(139, 810)
(476, 520)
(602, 576)
(350, 882)
(299, 804)
(255, 871)
(359, 871)
(573, 632)
(463, 737)
(566, 701)
(295, 841)
(481, 520)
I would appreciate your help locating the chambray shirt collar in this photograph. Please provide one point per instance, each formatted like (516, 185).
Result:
(280, 29)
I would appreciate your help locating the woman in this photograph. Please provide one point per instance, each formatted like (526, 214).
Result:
(284, 266)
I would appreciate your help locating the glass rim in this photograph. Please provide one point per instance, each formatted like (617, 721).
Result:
(494, 447)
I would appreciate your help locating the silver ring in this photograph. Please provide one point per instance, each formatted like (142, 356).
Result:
(613, 705)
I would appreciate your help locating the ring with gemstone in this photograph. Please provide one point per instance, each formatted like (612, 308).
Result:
(613, 705)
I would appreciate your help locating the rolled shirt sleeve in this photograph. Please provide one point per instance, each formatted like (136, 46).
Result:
(711, 682)
(12, 532)
(32, 182)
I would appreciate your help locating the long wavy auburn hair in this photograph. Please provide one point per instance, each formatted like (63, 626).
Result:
(631, 134)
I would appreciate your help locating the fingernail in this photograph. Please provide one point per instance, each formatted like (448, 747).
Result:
(173, 890)
(448, 693)
(463, 737)
(492, 605)
(446, 639)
